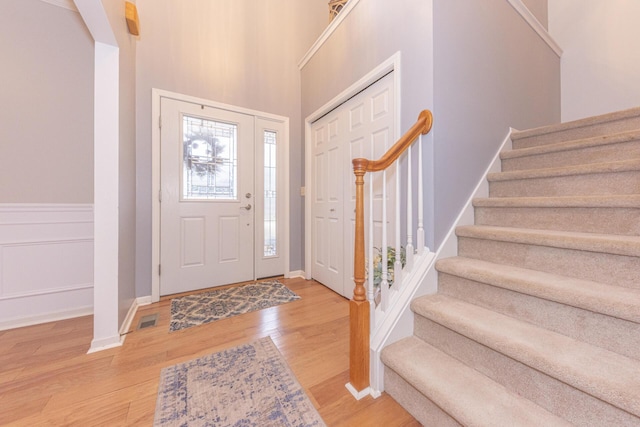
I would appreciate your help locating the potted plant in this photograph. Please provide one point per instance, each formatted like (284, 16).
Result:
(391, 261)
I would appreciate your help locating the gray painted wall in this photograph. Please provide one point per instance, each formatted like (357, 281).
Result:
(46, 108)
(477, 65)
(492, 71)
(540, 10)
(240, 52)
(367, 37)
(601, 59)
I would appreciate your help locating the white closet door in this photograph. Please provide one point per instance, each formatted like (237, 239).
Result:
(361, 127)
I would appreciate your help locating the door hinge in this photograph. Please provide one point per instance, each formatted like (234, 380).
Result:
(160, 122)
(159, 269)
(160, 196)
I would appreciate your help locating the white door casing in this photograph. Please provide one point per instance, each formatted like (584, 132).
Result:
(276, 262)
(361, 127)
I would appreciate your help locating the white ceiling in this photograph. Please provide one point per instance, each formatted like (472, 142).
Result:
(67, 4)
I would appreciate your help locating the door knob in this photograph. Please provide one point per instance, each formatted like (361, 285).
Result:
(248, 207)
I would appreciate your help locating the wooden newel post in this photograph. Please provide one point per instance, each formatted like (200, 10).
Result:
(359, 306)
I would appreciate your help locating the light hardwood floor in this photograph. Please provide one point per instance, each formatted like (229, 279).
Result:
(47, 379)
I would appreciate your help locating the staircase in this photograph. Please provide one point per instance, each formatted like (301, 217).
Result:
(537, 320)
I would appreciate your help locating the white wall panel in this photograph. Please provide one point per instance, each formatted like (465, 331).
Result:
(46, 262)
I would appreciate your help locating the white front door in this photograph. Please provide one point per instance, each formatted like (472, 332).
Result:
(207, 197)
(363, 126)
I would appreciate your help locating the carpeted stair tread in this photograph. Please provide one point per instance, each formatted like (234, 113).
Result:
(601, 373)
(543, 299)
(468, 396)
(602, 124)
(623, 303)
(592, 242)
(598, 201)
(585, 169)
(596, 141)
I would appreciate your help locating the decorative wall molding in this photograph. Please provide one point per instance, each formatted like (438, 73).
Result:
(335, 23)
(46, 262)
(67, 4)
(533, 22)
(518, 5)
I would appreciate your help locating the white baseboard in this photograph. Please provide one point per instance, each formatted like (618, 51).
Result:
(45, 318)
(295, 274)
(358, 394)
(131, 314)
(144, 300)
(105, 344)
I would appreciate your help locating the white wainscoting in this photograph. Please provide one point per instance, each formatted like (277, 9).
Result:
(46, 262)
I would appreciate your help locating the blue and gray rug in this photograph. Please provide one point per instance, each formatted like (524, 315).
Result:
(249, 385)
(196, 309)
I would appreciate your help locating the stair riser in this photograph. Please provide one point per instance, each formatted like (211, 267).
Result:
(553, 395)
(600, 154)
(421, 408)
(610, 269)
(621, 221)
(598, 129)
(612, 183)
(584, 325)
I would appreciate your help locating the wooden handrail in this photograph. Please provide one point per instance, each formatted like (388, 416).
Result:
(422, 126)
(359, 310)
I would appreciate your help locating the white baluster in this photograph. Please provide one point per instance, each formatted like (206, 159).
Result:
(397, 266)
(384, 283)
(420, 232)
(409, 214)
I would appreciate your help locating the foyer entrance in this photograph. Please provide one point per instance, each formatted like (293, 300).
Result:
(222, 193)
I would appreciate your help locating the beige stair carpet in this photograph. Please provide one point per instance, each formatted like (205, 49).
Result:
(537, 320)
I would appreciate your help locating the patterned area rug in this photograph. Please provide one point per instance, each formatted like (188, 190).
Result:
(249, 385)
(193, 310)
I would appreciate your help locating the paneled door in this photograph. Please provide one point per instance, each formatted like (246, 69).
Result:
(207, 196)
(329, 172)
(363, 126)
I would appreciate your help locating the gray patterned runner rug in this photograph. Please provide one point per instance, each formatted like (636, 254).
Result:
(196, 309)
(248, 385)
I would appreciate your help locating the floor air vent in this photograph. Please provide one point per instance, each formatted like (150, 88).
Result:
(148, 321)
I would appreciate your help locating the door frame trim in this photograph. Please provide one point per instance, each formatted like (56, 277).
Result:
(156, 96)
(390, 65)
